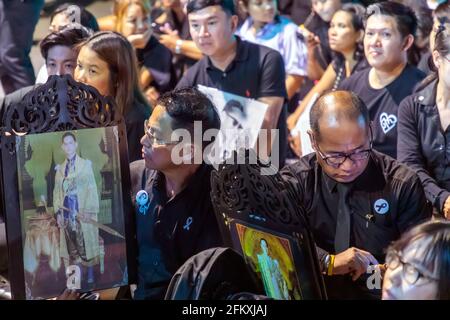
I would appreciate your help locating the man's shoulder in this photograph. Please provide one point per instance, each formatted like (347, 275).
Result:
(356, 80)
(394, 170)
(191, 76)
(302, 167)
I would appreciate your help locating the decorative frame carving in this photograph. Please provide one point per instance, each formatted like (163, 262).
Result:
(61, 104)
(243, 199)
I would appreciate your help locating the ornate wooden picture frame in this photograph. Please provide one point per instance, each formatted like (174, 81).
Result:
(65, 182)
(260, 218)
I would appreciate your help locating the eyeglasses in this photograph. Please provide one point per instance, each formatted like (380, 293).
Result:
(410, 272)
(154, 141)
(337, 159)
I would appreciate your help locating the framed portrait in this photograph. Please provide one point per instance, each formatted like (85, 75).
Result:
(241, 119)
(259, 217)
(68, 214)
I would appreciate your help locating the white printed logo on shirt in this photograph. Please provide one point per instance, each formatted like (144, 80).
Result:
(387, 122)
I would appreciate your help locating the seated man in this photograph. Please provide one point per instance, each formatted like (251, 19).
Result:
(174, 215)
(356, 200)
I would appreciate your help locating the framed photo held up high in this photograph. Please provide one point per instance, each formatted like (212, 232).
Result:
(65, 177)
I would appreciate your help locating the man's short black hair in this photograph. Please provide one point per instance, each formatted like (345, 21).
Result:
(187, 105)
(69, 36)
(354, 110)
(68, 134)
(404, 16)
(227, 5)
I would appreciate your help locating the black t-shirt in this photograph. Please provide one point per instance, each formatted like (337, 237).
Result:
(134, 121)
(383, 104)
(255, 72)
(158, 60)
(169, 231)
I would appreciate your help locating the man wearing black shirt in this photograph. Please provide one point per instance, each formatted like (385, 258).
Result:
(236, 66)
(356, 200)
(389, 33)
(174, 215)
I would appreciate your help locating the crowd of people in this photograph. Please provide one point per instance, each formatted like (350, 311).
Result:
(373, 78)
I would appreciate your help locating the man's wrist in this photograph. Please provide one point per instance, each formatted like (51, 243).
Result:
(178, 45)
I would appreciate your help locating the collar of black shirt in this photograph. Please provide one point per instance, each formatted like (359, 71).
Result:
(371, 178)
(195, 184)
(427, 96)
(241, 54)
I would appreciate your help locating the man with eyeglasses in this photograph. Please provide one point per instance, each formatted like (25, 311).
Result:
(174, 215)
(356, 199)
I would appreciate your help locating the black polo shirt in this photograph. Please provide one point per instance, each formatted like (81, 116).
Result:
(372, 229)
(424, 145)
(383, 103)
(172, 230)
(158, 60)
(255, 72)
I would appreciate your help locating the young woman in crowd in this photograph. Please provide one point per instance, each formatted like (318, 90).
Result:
(264, 26)
(418, 264)
(423, 129)
(157, 74)
(107, 62)
(345, 34)
(441, 16)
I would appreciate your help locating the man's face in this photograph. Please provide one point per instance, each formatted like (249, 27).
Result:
(61, 60)
(69, 146)
(384, 46)
(325, 8)
(337, 138)
(212, 29)
(59, 20)
(155, 150)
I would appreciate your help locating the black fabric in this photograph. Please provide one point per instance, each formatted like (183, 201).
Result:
(158, 60)
(164, 241)
(17, 23)
(134, 121)
(384, 178)
(424, 63)
(322, 52)
(297, 10)
(383, 103)
(338, 65)
(255, 72)
(424, 145)
(213, 274)
(343, 219)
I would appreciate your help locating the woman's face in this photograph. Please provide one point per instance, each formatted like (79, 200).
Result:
(399, 276)
(442, 63)
(134, 21)
(93, 71)
(342, 36)
(262, 10)
(325, 8)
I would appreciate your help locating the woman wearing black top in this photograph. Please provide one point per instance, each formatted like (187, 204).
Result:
(107, 62)
(345, 35)
(423, 129)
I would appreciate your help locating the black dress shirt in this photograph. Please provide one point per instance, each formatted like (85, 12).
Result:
(385, 200)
